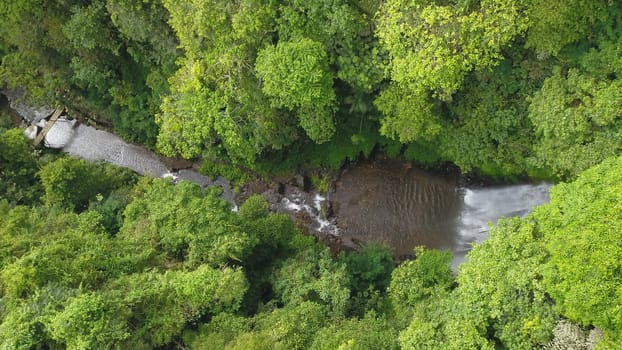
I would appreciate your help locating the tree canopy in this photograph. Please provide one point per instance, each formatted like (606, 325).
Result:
(92, 256)
(261, 84)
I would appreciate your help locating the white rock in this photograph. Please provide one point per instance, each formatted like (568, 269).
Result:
(31, 132)
(60, 134)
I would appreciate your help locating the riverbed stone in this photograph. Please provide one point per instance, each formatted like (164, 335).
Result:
(28, 113)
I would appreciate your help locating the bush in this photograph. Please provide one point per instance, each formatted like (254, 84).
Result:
(18, 168)
(72, 183)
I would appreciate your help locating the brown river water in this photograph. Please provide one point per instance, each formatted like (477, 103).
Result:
(393, 203)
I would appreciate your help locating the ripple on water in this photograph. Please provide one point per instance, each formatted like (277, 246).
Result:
(404, 207)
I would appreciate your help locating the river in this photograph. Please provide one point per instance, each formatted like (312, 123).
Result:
(385, 201)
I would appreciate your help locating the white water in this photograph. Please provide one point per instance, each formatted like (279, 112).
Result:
(97, 145)
(486, 205)
(297, 202)
(469, 213)
(88, 143)
(482, 207)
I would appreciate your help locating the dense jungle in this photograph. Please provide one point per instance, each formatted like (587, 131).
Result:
(95, 256)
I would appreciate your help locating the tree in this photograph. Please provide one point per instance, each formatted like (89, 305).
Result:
(344, 32)
(87, 57)
(146, 309)
(91, 320)
(312, 275)
(222, 329)
(555, 24)
(292, 327)
(36, 54)
(502, 283)
(427, 309)
(214, 99)
(407, 117)
(296, 76)
(255, 74)
(577, 120)
(72, 183)
(18, 168)
(487, 128)
(432, 48)
(186, 225)
(370, 332)
(419, 279)
(582, 228)
(371, 266)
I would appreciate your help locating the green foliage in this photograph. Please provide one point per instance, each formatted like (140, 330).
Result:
(419, 279)
(353, 139)
(277, 238)
(423, 301)
(76, 254)
(370, 332)
(344, 32)
(6, 120)
(432, 46)
(503, 88)
(371, 266)
(64, 280)
(18, 168)
(23, 325)
(581, 228)
(555, 24)
(111, 209)
(91, 320)
(72, 183)
(422, 153)
(408, 117)
(214, 95)
(31, 32)
(275, 232)
(87, 57)
(222, 329)
(320, 182)
(444, 323)
(146, 309)
(296, 77)
(292, 327)
(185, 224)
(280, 62)
(165, 303)
(502, 283)
(214, 168)
(489, 128)
(313, 276)
(577, 119)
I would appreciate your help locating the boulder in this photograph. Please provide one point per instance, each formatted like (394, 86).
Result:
(60, 134)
